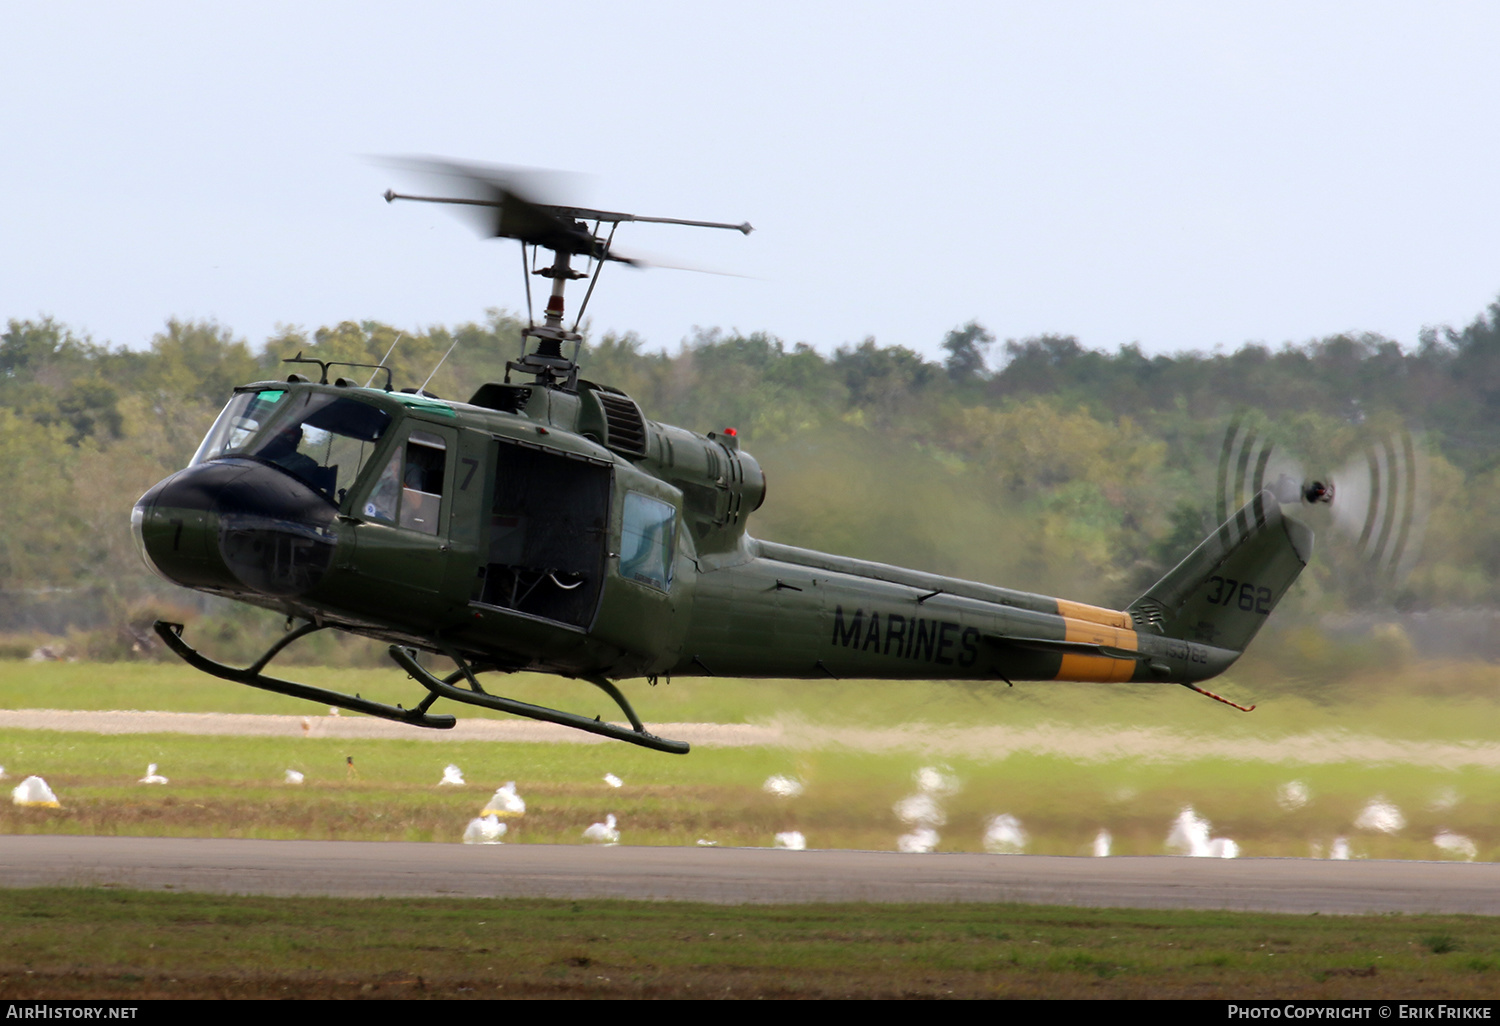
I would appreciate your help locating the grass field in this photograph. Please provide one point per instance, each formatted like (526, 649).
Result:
(62, 944)
(234, 786)
(1432, 724)
(1418, 701)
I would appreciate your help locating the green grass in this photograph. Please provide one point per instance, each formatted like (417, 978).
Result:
(102, 943)
(1418, 702)
(108, 943)
(233, 787)
(1228, 766)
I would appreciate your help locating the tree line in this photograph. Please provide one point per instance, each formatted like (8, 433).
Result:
(1037, 463)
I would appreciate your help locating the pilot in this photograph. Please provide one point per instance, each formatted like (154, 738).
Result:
(281, 449)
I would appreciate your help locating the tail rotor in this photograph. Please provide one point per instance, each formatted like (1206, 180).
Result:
(1377, 499)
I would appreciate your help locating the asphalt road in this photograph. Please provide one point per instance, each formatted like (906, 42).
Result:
(743, 875)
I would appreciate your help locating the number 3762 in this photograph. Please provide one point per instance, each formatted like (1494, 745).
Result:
(1244, 594)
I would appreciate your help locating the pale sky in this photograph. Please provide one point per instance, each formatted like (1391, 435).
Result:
(1181, 175)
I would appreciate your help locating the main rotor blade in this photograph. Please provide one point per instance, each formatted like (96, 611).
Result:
(517, 218)
(587, 214)
(514, 192)
(511, 196)
(645, 261)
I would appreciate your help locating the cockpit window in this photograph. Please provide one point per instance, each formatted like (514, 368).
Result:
(322, 439)
(325, 440)
(246, 413)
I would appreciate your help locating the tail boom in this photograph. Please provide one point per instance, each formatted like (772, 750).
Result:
(1197, 620)
(793, 613)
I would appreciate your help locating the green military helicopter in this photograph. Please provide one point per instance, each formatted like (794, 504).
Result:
(547, 524)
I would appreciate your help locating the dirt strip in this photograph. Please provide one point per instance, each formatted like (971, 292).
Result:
(993, 742)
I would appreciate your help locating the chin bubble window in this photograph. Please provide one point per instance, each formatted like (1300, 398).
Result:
(647, 540)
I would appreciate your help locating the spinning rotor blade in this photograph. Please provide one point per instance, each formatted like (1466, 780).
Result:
(517, 212)
(646, 261)
(1250, 462)
(1385, 509)
(503, 203)
(1378, 499)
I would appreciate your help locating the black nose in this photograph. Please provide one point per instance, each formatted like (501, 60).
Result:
(237, 527)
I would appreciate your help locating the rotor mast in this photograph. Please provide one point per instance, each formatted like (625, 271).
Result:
(565, 232)
(547, 363)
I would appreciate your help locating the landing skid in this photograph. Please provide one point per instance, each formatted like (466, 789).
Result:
(171, 633)
(475, 695)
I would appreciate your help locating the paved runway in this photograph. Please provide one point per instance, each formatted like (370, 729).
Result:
(743, 875)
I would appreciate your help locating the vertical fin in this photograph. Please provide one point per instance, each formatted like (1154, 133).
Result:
(1225, 589)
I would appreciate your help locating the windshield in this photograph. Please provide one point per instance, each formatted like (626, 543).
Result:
(325, 440)
(239, 422)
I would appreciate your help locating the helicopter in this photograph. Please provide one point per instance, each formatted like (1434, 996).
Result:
(546, 524)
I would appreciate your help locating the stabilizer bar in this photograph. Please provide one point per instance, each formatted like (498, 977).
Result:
(445, 689)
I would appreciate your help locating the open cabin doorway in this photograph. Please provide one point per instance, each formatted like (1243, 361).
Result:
(548, 534)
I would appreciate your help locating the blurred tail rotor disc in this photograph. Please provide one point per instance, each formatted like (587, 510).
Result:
(1377, 499)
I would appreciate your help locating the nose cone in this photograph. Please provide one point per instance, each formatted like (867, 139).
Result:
(236, 527)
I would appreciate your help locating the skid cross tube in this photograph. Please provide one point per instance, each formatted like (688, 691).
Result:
(446, 689)
(171, 633)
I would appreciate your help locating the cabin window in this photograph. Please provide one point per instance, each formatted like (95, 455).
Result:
(410, 489)
(647, 540)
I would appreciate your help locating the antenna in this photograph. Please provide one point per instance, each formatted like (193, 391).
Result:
(423, 387)
(384, 358)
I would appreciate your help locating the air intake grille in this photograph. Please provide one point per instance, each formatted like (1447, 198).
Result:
(624, 427)
(1149, 615)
